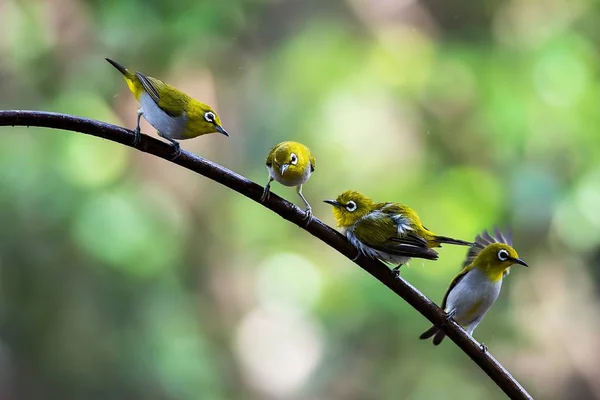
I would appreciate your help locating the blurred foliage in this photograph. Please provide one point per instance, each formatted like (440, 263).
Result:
(122, 276)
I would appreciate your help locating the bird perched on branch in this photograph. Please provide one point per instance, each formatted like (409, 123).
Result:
(291, 164)
(390, 232)
(475, 289)
(174, 114)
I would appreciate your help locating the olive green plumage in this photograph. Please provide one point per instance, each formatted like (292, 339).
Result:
(390, 232)
(291, 164)
(174, 114)
(477, 286)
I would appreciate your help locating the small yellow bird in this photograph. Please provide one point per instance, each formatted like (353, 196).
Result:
(475, 289)
(174, 114)
(390, 232)
(291, 164)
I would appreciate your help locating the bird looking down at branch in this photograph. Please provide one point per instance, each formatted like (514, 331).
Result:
(291, 164)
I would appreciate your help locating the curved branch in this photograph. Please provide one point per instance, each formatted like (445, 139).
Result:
(288, 211)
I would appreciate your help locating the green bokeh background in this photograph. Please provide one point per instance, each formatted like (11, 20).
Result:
(123, 276)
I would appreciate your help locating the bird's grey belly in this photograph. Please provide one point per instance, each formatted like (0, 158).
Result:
(472, 297)
(172, 127)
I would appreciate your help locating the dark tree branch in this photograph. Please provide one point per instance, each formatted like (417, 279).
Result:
(288, 211)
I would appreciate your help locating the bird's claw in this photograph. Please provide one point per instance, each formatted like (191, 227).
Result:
(265, 195)
(176, 151)
(396, 271)
(308, 215)
(483, 347)
(357, 256)
(450, 315)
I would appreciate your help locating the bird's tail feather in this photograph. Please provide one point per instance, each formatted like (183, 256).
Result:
(118, 66)
(438, 335)
(437, 339)
(449, 240)
(429, 332)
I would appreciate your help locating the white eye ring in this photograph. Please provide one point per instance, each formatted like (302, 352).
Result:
(293, 159)
(351, 206)
(209, 116)
(503, 255)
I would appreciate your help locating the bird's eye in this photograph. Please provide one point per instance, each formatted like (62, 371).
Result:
(209, 116)
(293, 159)
(503, 255)
(351, 206)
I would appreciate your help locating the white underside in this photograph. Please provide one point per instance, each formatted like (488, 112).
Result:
(285, 180)
(166, 125)
(474, 288)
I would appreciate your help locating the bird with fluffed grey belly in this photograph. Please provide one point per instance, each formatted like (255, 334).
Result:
(390, 232)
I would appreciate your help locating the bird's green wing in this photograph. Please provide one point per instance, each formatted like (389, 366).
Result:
(151, 86)
(312, 163)
(270, 156)
(410, 238)
(402, 213)
(380, 232)
(167, 98)
(454, 282)
(407, 231)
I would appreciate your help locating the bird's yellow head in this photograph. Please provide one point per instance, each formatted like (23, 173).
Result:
(203, 119)
(350, 206)
(292, 158)
(493, 254)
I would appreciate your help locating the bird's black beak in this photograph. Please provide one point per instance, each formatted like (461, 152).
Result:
(332, 202)
(520, 262)
(220, 129)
